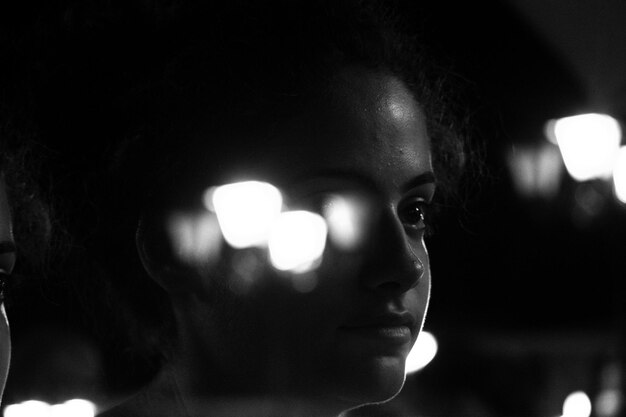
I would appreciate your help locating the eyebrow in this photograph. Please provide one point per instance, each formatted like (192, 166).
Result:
(427, 177)
(7, 247)
(422, 179)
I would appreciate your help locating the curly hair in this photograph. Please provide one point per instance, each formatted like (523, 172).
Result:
(30, 211)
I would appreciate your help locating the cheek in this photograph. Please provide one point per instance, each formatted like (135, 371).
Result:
(426, 281)
(5, 348)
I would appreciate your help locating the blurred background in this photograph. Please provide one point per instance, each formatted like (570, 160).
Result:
(528, 302)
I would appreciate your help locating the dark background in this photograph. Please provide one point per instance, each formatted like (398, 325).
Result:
(528, 293)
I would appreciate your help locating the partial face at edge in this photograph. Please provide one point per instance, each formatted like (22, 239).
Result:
(7, 260)
(345, 341)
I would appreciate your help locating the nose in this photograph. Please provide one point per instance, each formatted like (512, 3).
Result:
(394, 262)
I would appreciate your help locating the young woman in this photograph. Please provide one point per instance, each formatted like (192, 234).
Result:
(25, 227)
(324, 105)
(7, 262)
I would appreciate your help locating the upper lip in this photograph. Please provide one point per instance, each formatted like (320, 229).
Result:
(389, 319)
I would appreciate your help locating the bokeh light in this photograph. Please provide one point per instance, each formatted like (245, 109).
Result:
(30, 408)
(246, 211)
(195, 237)
(297, 241)
(422, 353)
(608, 403)
(588, 144)
(343, 215)
(577, 404)
(536, 171)
(34, 408)
(74, 408)
(619, 175)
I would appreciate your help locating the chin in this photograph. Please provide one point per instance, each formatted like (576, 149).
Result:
(375, 384)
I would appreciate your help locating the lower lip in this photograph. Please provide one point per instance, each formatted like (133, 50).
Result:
(390, 334)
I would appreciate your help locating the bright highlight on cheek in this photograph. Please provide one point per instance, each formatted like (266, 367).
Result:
(344, 215)
(245, 211)
(297, 241)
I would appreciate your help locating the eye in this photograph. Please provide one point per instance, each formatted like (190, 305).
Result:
(412, 214)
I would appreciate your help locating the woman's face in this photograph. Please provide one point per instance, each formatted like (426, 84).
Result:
(7, 260)
(341, 332)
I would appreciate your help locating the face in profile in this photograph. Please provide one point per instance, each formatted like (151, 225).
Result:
(7, 260)
(338, 333)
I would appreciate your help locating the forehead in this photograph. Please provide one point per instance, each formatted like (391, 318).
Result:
(365, 123)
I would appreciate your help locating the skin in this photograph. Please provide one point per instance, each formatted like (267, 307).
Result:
(7, 261)
(366, 138)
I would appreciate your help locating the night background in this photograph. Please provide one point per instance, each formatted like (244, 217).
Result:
(528, 283)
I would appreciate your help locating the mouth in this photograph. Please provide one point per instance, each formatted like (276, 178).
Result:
(395, 329)
(390, 334)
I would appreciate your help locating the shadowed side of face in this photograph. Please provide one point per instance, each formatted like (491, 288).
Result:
(344, 340)
(7, 261)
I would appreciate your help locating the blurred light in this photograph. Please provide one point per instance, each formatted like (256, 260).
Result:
(548, 130)
(589, 201)
(297, 241)
(207, 198)
(33, 408)
(305, 282)
(619, 175)
(588, 143)
(74, 408)
(245, 211)
(342, 215)
(536, 171)
(609, 400)
(577, 404)
(608, 403)
(196, 238)
(246, 266)
(422, 353)
(58, 410)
